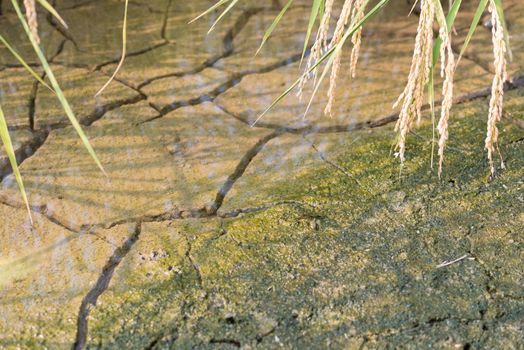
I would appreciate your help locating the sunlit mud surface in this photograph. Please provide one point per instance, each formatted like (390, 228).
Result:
(209, 232)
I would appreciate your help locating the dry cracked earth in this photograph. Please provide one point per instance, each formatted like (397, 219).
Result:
(211, 233)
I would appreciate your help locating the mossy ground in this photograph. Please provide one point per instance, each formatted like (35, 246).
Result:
(354, 266)
(349, 262)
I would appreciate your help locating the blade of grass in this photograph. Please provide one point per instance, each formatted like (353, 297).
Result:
(273, 25)
(233, 3)
(9, 150)
(56, 88)
(123, 57)
(474, 23)
(52, 11)
(327, 54)
(413, 7)
(212, 8)
(24, 64)
(312, 17)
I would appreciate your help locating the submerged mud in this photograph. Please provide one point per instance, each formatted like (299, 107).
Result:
(211, 233)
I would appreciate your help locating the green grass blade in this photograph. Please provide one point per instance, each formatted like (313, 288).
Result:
(476, 18)
(233, 3)
(500, 12)
(212, 8)
(56, 87)
(326, 55)
(273, 25)
(24, 64)
(52, 11)
(453, 11)
(8, 145)
(312, 17)
(124, 46)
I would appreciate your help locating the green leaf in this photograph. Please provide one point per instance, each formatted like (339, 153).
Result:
(312, 17)
(212, 8)
(8, 145)
(52, 11)
(123, 57)
(233, 3)
(273, 25)
(56, 87)
(453, 11)
(474, 23)
(24, 64)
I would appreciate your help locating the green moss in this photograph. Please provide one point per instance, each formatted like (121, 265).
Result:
(356, 264)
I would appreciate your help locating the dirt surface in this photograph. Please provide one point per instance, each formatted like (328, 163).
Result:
(209, 233)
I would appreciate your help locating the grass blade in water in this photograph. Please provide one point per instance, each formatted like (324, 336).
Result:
(52, 11)
(9, 150)
(212, 8)
(124, 48)
(474, 23)
(273, 25)
(56, 87)
(24, 63)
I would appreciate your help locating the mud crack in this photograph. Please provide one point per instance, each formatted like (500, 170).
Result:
(100, 287)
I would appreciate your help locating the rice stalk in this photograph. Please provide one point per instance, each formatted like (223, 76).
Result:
(413, 94)
(320, 44)
(328, 55)
(345, 16)
(356, 39)
(447, 72)
(497, 87)
(30, 13)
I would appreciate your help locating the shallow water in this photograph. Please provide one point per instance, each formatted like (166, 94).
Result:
(174, 134)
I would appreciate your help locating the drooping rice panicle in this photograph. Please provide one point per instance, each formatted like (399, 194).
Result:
(356, 39)
(345, 15)
(497, 87)
(30, 13)
(319, 45)
(447, 72)
(412, 96)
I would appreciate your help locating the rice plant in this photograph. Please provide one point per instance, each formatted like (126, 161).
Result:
(427, 52)
(325, 55)
(30, 26)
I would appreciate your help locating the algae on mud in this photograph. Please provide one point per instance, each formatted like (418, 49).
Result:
(353, 266)
(342, 254)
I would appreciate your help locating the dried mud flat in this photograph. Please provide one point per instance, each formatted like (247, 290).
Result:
(209, 233)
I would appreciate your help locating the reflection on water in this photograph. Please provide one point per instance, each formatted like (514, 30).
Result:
(172, 131)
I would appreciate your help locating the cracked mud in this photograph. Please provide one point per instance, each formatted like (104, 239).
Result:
(210, 233)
